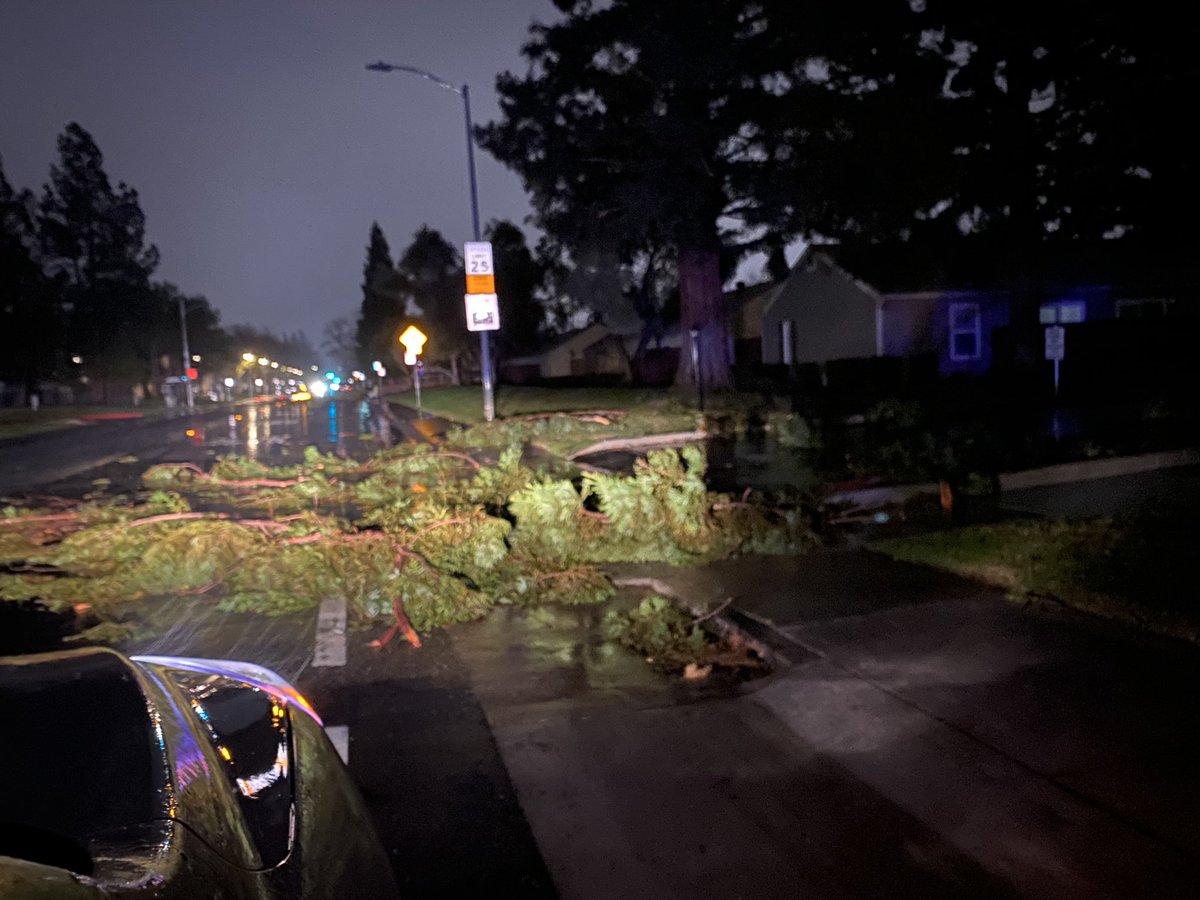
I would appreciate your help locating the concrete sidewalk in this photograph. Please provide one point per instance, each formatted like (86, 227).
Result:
(1059, 754)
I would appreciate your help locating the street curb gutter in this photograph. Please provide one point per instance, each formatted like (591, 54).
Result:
(777, 651)
(1091, 469)
(1047, 476)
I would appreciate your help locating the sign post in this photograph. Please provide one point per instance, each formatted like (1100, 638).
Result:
(482, 308)
(413, 340)
(1056, 349)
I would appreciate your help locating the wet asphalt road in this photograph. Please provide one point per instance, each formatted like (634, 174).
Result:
(274, 432)
(421, 750)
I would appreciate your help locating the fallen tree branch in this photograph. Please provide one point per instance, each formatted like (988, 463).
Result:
(463, 456)
(711, 613)
(169, 517)
(238, 482)
(403, 626)
(55, 517)
(264, 525)
(193, 592)
(308, 539)
(455, 521)
(602, 416)
(647, 442)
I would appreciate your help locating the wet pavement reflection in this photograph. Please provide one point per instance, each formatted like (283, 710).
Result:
(277, 432)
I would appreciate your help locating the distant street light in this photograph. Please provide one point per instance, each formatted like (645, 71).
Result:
(489, 403)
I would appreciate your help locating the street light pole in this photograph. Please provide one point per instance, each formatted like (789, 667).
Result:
(489, 401)
(187, 354)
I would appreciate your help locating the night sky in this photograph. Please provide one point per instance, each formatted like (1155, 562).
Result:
(261, 147)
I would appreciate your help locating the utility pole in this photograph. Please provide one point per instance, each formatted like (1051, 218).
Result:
(187, 353)
(489, 401)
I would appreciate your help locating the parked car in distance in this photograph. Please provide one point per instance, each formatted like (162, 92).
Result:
(173, 777)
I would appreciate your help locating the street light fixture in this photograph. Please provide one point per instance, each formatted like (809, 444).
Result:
(489, 403)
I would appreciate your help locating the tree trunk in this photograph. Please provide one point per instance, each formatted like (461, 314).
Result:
(702, 308)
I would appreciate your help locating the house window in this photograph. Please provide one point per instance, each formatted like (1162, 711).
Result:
(1142, 309)
(965, 332)
(1062, 312)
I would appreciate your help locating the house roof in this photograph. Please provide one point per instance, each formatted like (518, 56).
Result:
(980, 264)
(580, 337)
(744, 293)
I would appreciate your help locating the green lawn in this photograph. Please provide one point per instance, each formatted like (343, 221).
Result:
(465, 403)
(1137, 571)
(21, 420)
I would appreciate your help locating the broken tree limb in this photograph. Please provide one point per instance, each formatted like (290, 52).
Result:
(237, 482)
(56, 517)
(648, 442)
(403, 627)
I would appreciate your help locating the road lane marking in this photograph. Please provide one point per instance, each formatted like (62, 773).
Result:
(340, 736)
(331, 633)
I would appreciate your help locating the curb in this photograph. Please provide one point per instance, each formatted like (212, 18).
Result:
(1046, 476)
(1091, 469)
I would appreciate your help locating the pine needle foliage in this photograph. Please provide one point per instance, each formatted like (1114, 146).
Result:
(432, 532)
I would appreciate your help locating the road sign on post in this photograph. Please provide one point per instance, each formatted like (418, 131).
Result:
(481, 275)
(412, 339)
(1056, 343)
(483, 312)
(1056, 349)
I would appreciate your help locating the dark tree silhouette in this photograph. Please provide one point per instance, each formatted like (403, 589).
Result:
(382, 308)
(431, 284)
(30, 317)
(521, 285)
(92, 237)
(622, 131)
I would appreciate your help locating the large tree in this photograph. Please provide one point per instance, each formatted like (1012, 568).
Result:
(382, 307)
(30, 317)
(93, 236)
(431, 282)
(986, 141)
(1012, 144)
(521, 286)
(622, 131)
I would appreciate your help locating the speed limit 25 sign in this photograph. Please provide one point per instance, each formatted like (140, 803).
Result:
(481, 274)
